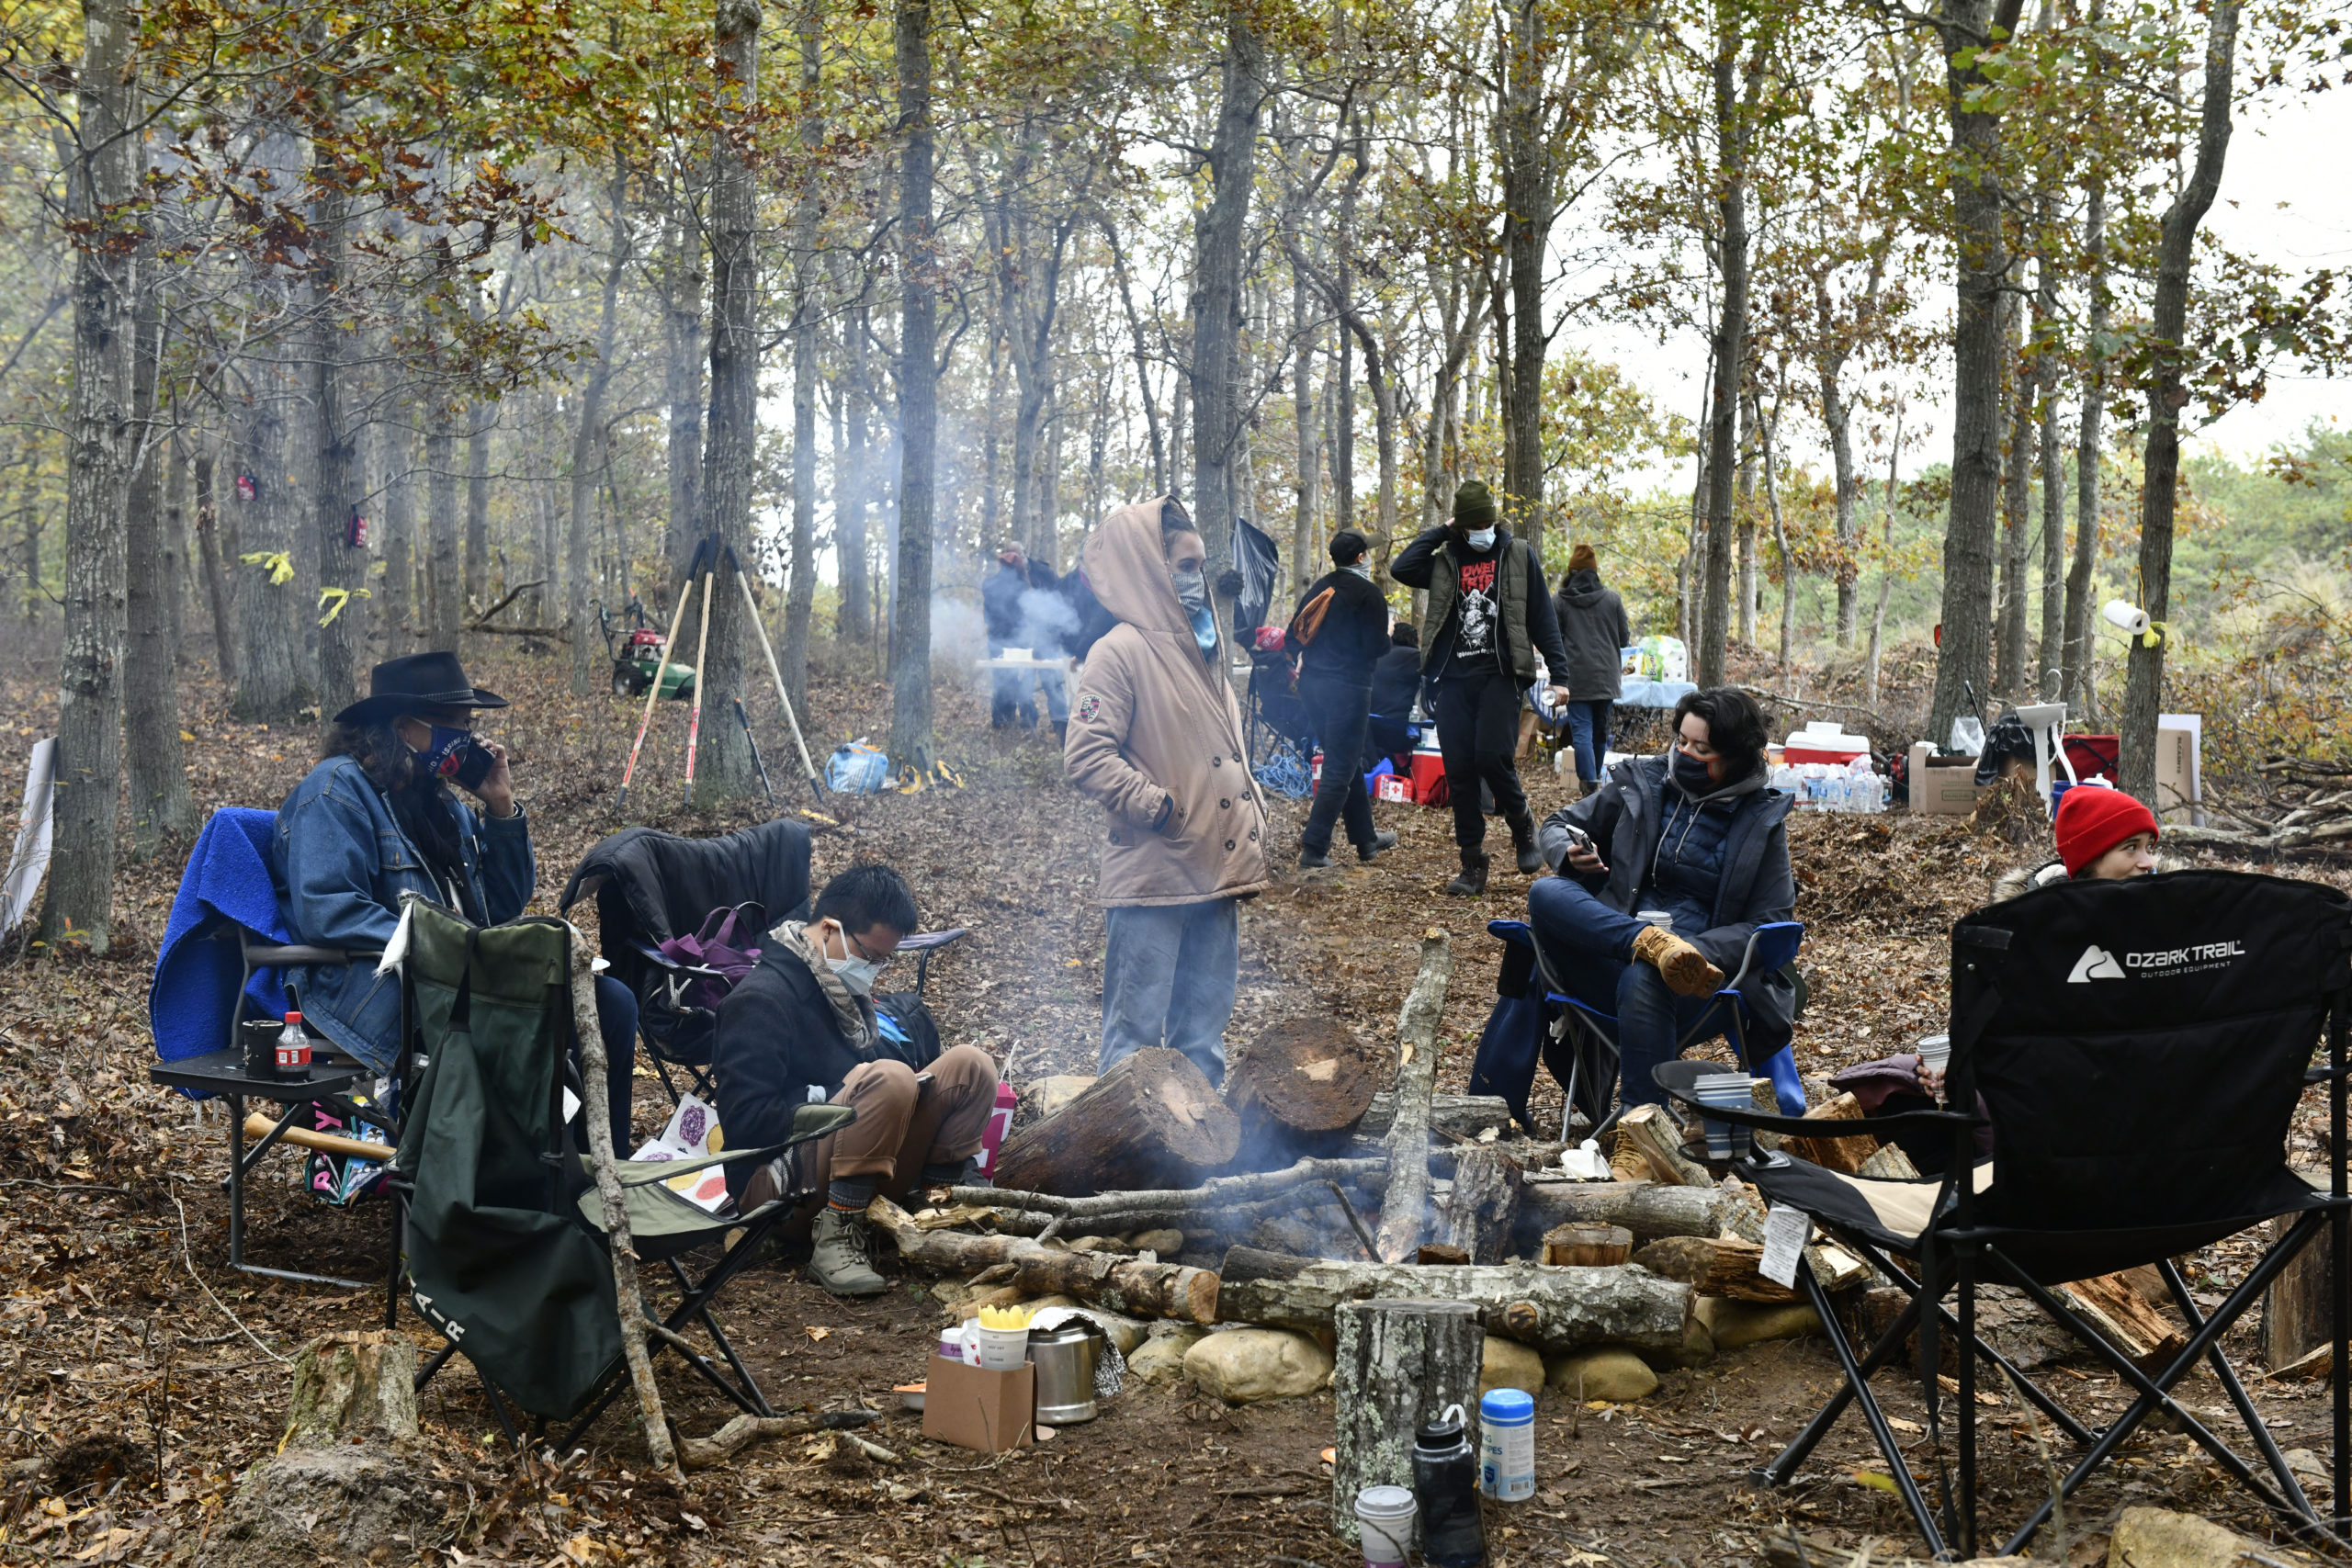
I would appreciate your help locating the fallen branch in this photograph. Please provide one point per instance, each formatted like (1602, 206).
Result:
(1760, 695)
(512, 594)
(701, 1453)
(2324, 835)
(1404, 1209)
(1224, 1190)
(1104, 1280)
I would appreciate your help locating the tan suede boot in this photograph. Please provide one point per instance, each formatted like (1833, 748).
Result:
(1684, 967)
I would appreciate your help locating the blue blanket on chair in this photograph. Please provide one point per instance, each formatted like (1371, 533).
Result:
(227, 883)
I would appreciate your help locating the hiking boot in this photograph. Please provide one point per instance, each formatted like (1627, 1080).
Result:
(1585, 786)
(1380, 841)
(842, 1255)
(1313, 860)
(1472, 883)
(1525, 847)
(1685, 969)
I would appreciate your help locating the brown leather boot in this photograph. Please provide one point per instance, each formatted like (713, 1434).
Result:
(1685, 968)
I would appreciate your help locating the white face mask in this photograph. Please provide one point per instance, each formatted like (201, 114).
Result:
(1361, 568)
(857, 973)
(1192, 590)
(1481, 539)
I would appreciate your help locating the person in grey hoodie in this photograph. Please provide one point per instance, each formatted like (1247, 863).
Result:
(1593, 627)
(1698, 834)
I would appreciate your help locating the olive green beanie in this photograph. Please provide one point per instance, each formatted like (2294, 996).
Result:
(1473, 507)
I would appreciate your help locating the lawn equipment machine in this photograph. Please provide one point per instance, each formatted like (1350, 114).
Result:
(637, 652)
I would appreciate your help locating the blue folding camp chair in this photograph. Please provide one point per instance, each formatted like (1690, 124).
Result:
(1587, 1037)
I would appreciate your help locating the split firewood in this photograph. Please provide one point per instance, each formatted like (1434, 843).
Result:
(1654, 1134)
(1151, 1120)
(1580, 1244)
(1714, 1266)
(1300, 1090)
(1552, 1309)
(2126, 1318)
(1404, 1207)
(701, 1453)
(1835, 1154)
(1104, 1280)
(1435, 1252)
(1648, 1209)
(1479, 1211)
(1459, 1115)
(1889, 1163)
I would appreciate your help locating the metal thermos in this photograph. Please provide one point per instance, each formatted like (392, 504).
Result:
(1064, 1357)
(1445, 1486)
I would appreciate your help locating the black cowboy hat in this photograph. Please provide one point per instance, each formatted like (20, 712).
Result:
(420, 681)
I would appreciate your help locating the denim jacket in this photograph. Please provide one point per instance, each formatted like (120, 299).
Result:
(341, 864)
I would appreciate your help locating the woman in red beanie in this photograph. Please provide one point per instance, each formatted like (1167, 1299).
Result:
(2104, 835)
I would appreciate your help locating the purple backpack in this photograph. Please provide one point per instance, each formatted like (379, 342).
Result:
(718, 945)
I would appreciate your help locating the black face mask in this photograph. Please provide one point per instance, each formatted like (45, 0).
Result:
(1691, 773)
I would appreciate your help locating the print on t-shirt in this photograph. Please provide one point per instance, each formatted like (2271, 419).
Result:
(1475, 637)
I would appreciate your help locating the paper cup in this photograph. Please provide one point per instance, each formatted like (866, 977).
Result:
(1664, 919)
(1004, 1349)
(1935, 1050)
(1385, 1517)
(1731, 1091)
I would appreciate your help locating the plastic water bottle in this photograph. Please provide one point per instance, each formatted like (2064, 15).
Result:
(293, 1046)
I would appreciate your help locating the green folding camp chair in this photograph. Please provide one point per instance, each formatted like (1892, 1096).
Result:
(502, 1242)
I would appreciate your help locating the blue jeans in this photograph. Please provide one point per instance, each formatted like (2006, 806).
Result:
(1588, 733)
(1341, 714)
(1167, 979)
(1590, 946)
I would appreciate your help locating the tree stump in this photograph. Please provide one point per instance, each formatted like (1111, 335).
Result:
(1478, 1213)
(349, 1385)
(1299, 1090)
(1152, 1121)
(2296, 1308)
(1398, 1362)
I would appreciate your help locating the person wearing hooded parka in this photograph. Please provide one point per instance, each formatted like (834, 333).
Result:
(1156, 741)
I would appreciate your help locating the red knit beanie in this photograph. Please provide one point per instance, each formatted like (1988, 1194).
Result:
(2092, 820)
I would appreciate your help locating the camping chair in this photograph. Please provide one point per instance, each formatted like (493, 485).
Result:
(223, 960)
(504, 1247)
(2184, 1009)
(1580, 1041)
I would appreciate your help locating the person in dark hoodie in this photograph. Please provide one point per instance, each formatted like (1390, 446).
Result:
(1009, 700)
(1396, 686)
(1488, 618)
(1342, 625)
(1697, 835)
(1594, 631)
(802, 1028)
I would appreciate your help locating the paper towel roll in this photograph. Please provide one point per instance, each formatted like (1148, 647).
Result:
(2129, 618)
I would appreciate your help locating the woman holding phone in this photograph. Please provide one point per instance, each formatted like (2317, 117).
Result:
(377, 818)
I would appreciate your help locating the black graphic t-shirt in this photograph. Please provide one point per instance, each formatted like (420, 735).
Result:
(1476, 614)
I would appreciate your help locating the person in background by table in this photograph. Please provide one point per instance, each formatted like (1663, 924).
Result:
(1001, 610)
(1156, 741)
(1396, 686)
(1342, 629)
(1594, 630)
(1050, 623)
(1488, 618)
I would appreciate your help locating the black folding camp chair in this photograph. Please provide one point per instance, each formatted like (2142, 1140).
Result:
(503, 1251)
(2181, 1011)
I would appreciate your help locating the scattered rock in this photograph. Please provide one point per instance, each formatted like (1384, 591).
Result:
(345, 1501)
(1049, 1095)
(1160, 1358)
(1166, 1243)
(2158, 1537)
(1242, 1366)
(1735, 1324)
(1698, 1349)
(1606, 1372)
(1510, 1364)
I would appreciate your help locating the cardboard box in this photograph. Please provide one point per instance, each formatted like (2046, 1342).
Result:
(974, 1408)
(1941, 786)
(2179, 787)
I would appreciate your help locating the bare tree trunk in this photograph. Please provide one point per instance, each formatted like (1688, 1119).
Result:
(160, 802)
(681, 378)
(105, 436)
(1730, 351)
(2076, 687)
(1767, 431)
(479, 420)
(1527, 169)
(2160, 469)
(800, 596)
(1744, 507)
(2053, 477)
(1220, 258)
(178, 584)
(1302, 331)
(340, 608)
(444, 584)
(2015, 676)
(918, 394)
(1838, 418)
(396, 450)
(850, 483)
(1964, 661)
(1160, 471)
(731, 455)
(1886, 564)
(273, 682)
(216, 573)
(588, 449)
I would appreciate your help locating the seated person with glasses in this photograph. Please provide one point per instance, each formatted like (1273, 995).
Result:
(801, 1029)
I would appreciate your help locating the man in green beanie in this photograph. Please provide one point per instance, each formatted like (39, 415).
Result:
(1488, 618)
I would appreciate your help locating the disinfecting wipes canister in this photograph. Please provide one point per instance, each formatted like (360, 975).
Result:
(1507, 1446)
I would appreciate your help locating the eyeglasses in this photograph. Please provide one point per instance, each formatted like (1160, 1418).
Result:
(858, 949)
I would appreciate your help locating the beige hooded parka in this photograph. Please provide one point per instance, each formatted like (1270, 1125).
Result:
(1154, 725)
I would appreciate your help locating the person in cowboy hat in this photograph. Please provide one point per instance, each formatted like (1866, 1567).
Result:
(377, 818)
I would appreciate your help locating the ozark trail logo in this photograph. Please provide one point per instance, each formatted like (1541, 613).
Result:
(2095, 964)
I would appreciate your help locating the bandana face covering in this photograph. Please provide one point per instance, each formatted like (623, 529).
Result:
(1695, 777)
(455, 755)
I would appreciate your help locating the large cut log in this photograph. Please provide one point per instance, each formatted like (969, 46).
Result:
(1714, 1266)
(1554, 1309)
(1299, 1090)
(1397, 1364)
(1478, 1213)
(1225, 1192)
(1100, 1278)
(1151, 1121)
(1461, 1115)
(1835, 1154)
(1404, 1208)
(1646, 1207)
